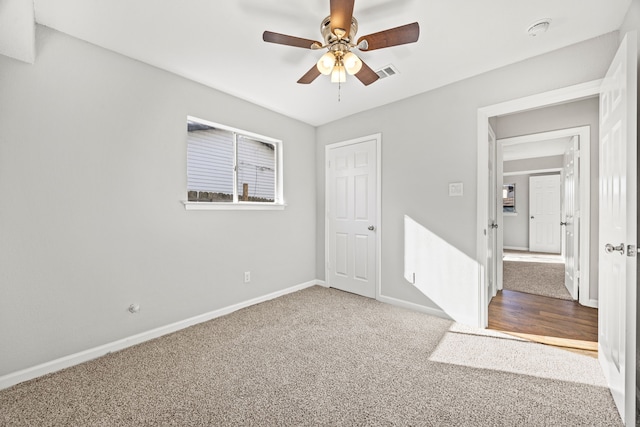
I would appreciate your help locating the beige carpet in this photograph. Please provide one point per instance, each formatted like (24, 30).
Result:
(539, 278)
(321, 357)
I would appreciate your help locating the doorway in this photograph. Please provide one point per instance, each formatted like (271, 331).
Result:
(539, 258)
(617, 144)
(564, 157)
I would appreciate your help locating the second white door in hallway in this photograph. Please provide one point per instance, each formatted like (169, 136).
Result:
(544, 214)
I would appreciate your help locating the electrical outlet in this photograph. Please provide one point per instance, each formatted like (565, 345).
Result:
(247, 276)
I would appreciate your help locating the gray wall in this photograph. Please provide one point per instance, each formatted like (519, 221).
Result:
(573, 114)
(92, 175)
(515, 229)
(430, 140)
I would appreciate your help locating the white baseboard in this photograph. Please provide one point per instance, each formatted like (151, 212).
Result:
(593, 303)
(93, 353)
(412, 306)
(516, 248)
(322, 283)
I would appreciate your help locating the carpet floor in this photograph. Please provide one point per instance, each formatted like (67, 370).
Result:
(539, 278)
(321, 357)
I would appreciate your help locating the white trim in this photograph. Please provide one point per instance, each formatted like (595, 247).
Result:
(415, 307)
(567, 94)
(545, 99)
(95, 352)
(593, 303)
(509, 213)
(482, 216)
(516, 248)
(533, 171)
(235, 130)
(378, 138)
(246, 206)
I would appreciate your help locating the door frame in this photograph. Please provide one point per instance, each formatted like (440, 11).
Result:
(584, 170)
(545, 99)
(377, 137)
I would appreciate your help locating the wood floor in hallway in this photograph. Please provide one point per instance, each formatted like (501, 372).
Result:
(536, 315)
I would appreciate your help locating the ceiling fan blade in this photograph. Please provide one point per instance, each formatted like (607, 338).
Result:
(392, 37)
(366, 75)
(284, 39)
(310, 76)
(341, 15)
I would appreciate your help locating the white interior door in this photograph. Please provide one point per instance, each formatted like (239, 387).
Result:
(571, 221)
(617, 225)
(352, 216)
(492, 228)
(544, 214)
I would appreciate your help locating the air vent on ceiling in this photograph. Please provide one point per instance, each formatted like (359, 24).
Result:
(387, 71)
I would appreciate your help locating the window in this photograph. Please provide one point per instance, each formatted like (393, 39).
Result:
(509, 198)
(230, 168)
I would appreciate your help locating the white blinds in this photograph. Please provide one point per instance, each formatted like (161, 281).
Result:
(210, 161)
(210, 164)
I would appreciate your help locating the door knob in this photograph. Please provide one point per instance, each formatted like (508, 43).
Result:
(371, 228)
(531, 216)
(494, 225)
(609, 248)
(563, 223)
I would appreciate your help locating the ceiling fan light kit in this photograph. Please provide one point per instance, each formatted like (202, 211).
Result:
(338, 74)
(325, 63)
(339, 61)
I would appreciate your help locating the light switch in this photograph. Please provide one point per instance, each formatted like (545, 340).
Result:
(455, 189)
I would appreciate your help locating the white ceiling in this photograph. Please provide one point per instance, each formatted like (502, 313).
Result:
(541, 148)
(219, 44)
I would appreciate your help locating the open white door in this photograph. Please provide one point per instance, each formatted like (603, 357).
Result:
(617, 224)
(571, 215)
(492, 228)
(352, 223)
(544, 214)
(499, 203)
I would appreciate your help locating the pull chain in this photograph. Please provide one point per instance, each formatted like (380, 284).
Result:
(339, 87)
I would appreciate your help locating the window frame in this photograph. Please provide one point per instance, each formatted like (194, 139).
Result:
(236, 204)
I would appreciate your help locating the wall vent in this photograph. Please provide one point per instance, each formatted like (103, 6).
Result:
(387, 71)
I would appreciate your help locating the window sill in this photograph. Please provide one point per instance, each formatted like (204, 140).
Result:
(212, 206)
(509, 213)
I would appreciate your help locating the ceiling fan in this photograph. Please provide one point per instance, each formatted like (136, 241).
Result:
(339, 31)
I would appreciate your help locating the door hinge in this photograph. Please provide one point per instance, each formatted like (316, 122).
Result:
(329, 164)
(631, 250)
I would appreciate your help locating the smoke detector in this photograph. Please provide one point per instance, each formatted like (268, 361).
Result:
(539, 27)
